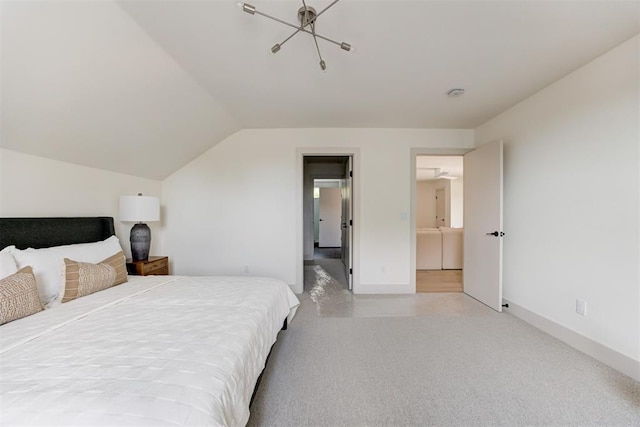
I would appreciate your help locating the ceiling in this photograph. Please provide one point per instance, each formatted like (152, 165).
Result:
(425, 166)
(107, 83)
(407, 55)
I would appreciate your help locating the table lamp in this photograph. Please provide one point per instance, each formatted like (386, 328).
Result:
(139, 209)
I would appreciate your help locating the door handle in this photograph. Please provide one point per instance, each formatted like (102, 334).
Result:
(320, 219)
(344, 225)
(496, 234)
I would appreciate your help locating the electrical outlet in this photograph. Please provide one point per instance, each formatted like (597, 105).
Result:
(581, 307)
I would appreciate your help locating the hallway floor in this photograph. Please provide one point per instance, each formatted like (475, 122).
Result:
(327, 253)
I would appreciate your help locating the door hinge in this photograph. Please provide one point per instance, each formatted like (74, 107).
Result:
(351, 222)
(350, 174)
(351, 271)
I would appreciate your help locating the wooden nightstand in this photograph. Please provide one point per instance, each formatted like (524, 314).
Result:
(155, 265)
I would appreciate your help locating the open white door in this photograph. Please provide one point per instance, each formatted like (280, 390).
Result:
(347, 223)
(483, 224)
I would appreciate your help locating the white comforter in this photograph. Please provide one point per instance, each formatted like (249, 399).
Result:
(160, 350)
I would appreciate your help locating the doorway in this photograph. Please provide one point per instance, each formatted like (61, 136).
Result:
(439, 223)
(328, 208)
(483, 221)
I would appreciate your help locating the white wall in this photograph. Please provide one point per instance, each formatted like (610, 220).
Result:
(571, 200)
(425, 205)
(426, 202)
(238, 206)
(456, 197)
(35, 186)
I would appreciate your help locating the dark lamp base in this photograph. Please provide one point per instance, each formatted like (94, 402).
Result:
(140, 239)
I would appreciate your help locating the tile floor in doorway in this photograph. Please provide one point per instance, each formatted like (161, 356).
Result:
(326, 292)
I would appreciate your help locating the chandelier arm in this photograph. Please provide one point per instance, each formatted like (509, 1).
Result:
(288, 38)
(315, 40)
(321, 37)
(297, 27)
(325, 9)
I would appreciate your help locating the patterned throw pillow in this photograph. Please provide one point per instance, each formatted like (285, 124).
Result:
(83, 278)
(119, 262)
(19, 296)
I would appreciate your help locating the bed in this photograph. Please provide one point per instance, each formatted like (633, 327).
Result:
(156, 350)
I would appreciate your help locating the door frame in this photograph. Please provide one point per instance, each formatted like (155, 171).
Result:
(413, 215)
(442, 203)
(299, 203)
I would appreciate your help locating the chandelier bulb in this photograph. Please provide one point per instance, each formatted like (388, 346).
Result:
(246, 7)
(346, 46)
(323, 65)
(276, 47)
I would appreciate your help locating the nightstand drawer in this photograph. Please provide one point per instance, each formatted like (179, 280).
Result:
(153, 266)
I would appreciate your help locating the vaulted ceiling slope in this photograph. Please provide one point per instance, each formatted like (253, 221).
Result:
(143, 87)
(83, 83)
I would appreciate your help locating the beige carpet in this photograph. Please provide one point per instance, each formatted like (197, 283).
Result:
(452, 362)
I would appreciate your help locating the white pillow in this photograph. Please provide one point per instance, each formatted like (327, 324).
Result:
(7, 263)
(48, 264)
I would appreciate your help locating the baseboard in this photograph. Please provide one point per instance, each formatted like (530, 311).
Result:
(600, 352)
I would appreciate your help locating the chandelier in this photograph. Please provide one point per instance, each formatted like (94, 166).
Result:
(307, 16)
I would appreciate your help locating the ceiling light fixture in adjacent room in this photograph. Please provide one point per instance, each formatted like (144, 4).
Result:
(456, 92)
(307, 16)
(438, 173)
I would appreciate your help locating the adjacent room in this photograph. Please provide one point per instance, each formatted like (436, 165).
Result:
(320, 213)
(439, 223)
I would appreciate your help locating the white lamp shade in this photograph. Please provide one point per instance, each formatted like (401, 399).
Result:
(139, 209)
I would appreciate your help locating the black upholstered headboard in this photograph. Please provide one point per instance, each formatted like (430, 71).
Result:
(46, 232)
